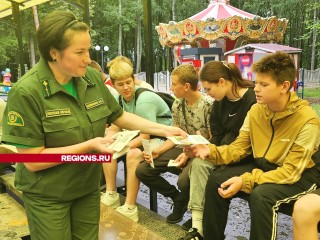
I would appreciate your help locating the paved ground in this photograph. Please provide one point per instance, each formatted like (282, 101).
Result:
(239, 217)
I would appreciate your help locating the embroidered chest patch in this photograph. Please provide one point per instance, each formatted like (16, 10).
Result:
(58, 112)
(15, 119)
(94, 103)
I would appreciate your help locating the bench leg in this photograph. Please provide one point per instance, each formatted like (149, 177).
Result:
(153, 201)
(2, 188)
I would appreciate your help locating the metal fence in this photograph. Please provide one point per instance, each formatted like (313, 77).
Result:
(161, 80)
(310, 78)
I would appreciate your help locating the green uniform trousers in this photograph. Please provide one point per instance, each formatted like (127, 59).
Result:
(63, 220)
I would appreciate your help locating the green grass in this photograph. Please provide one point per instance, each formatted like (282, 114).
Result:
(314, 94)
(316, 107)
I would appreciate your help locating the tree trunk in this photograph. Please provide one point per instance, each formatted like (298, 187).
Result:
(271, 8)
(314, 39)
(31, 38)
(120, 31)
(32, 51)
(139, 41)
(173, 10)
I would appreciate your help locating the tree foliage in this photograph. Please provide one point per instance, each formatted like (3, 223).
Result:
(105, 20)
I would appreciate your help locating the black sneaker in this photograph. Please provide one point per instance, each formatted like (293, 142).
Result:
(192, 234)
(179, 208)
(187, 225)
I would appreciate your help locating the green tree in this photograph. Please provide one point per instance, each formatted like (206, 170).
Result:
(302, 32)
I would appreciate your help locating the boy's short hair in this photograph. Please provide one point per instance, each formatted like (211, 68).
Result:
(187, 74)
(120, 70)
(119, 58)
(279, 65)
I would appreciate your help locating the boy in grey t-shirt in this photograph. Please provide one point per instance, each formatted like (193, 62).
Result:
(190, 112)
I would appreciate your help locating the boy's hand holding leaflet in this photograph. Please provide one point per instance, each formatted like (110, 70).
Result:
(147, 148)
(179, 162)
(121, 140)
(173, 163)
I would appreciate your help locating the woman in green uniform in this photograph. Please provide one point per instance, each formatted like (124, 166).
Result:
(62, 106)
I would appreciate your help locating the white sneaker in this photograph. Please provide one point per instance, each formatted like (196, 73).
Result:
(111, 201)
(131, 213)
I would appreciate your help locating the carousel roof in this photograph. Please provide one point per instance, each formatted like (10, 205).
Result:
(221, 20)
(220, 9)
(266, 47)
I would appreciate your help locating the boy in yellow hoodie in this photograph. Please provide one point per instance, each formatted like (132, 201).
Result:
(282, 132)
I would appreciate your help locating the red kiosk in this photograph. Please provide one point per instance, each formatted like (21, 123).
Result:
(244, 56)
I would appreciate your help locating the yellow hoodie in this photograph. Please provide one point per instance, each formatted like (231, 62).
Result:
(287, 139)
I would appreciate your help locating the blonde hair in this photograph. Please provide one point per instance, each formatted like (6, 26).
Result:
(187, 74)
(120, 70)
(121, 59)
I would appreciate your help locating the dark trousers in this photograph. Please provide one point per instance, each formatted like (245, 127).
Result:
(151, 176)
(264, 201)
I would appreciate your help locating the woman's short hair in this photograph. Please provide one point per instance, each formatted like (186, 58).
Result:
(55, 31)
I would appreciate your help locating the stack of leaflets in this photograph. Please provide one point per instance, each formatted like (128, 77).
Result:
(121, 140)
(188, 141)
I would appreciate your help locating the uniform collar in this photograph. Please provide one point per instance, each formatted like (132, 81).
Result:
(49, 84)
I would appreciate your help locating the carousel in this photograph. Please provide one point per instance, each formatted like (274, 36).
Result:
(221, 26)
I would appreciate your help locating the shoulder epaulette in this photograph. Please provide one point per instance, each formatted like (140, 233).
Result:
(46, 89)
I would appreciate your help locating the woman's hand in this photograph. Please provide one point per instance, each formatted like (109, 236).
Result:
(174, 131)
(100, 145)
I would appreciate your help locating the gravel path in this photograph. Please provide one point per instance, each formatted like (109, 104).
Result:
(239, 217)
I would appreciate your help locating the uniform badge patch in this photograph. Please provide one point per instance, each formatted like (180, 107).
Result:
(94, 103)
(15, 119)
(58, 112)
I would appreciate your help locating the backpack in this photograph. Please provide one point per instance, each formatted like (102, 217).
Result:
(165, 97)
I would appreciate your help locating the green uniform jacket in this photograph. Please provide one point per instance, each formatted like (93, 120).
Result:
(286, 139)
(41, 113)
